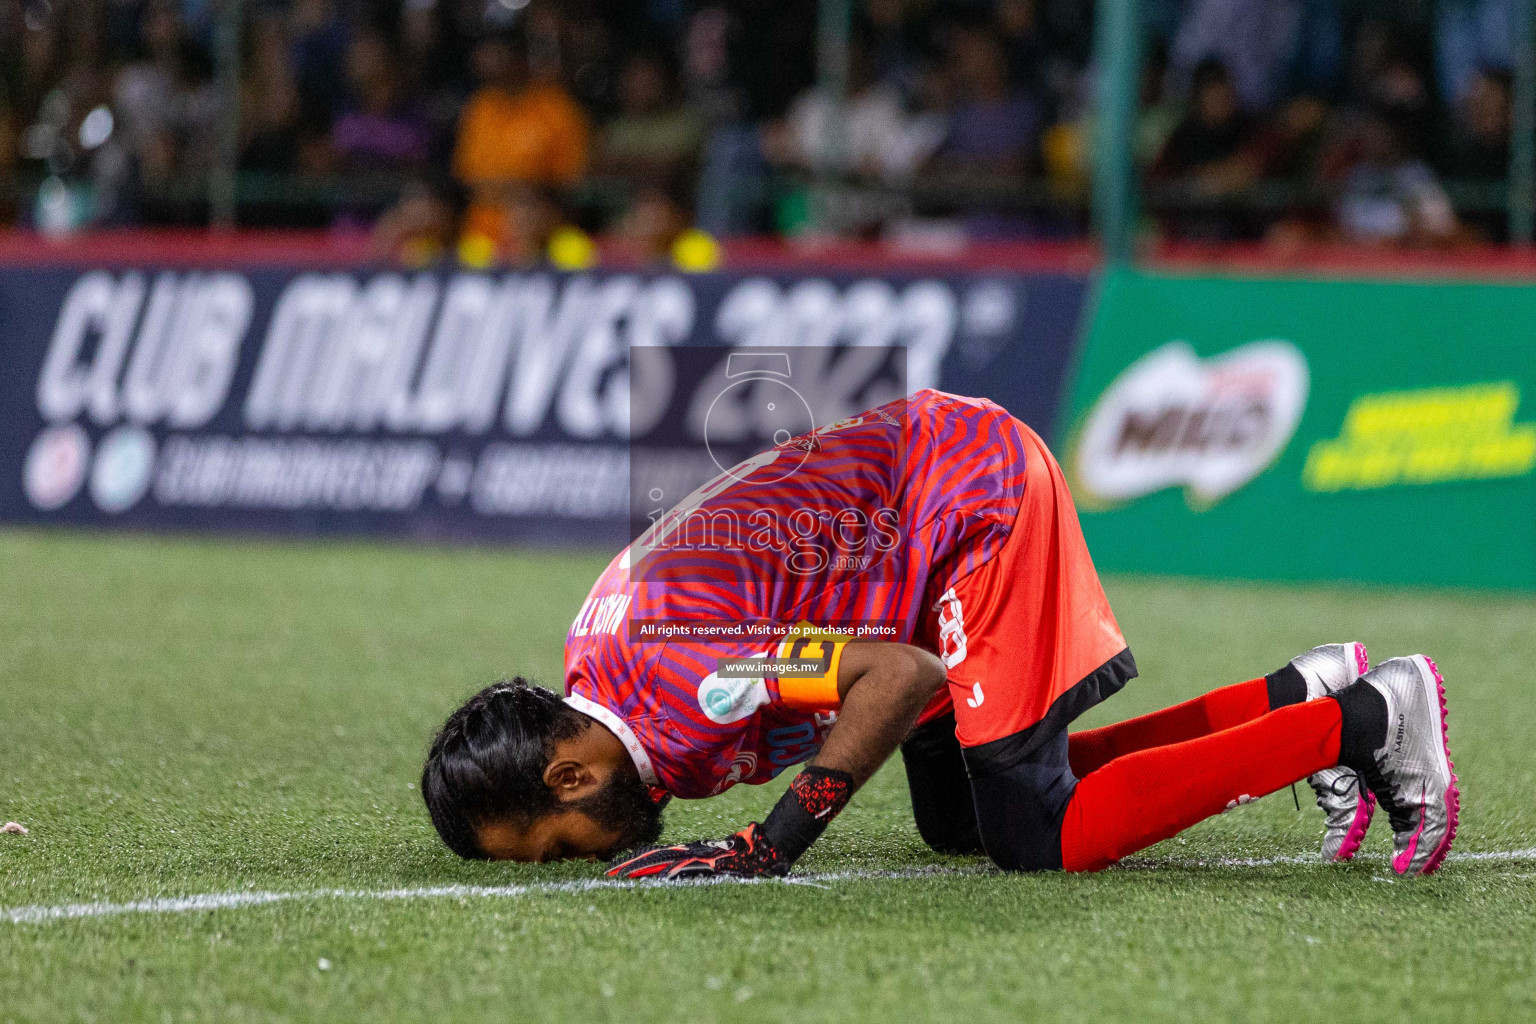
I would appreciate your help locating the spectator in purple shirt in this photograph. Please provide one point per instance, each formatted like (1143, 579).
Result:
(382, 131)
(995, 128)
(382, 128)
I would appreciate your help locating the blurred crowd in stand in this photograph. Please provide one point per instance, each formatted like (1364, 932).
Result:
(489, 130)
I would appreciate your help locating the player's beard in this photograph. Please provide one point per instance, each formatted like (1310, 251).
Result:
(623, 805)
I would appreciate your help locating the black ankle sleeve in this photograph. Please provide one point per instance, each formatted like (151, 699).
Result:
(1364, 729)
(1286, 687)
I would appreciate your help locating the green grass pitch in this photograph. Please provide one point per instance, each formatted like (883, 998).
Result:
(185, 717)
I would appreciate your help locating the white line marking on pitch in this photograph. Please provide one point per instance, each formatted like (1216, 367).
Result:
(39, 914)
(227, 900)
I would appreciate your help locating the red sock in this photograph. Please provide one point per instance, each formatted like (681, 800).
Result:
(1147, 796)
(1091, 749)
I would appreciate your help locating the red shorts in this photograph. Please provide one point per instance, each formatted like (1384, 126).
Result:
(1028, 638)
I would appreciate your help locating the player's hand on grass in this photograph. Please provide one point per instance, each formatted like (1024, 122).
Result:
(747, 854)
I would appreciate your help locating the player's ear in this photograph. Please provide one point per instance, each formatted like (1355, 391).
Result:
(568, 777)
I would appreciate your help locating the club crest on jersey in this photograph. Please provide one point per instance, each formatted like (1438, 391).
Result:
(743, 766)
(1210, 425)
(728, 700)
(843, 424)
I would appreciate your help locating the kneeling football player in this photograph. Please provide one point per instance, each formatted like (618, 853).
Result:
(942, 528)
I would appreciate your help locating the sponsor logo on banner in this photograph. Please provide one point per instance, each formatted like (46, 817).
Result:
(120, 475)
(1172, 419)
(509, 394)
(450, 405)
(55, 466)
(1428, 436)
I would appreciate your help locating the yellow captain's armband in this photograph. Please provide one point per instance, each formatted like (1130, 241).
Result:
(813, 685)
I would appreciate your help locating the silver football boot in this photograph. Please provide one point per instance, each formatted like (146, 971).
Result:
(1412, 775)
(1347, 805)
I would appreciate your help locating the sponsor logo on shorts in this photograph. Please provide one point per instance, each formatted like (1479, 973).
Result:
(1209, 425)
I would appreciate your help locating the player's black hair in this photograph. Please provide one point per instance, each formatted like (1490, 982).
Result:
(487, 762)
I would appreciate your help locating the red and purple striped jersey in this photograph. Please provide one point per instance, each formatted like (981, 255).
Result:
(858, 527)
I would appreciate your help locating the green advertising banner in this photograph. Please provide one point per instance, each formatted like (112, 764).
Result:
(1306, 430)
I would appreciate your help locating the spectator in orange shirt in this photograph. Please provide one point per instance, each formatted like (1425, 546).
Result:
(513, 132)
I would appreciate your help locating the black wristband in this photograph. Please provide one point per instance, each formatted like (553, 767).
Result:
(802, 813)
